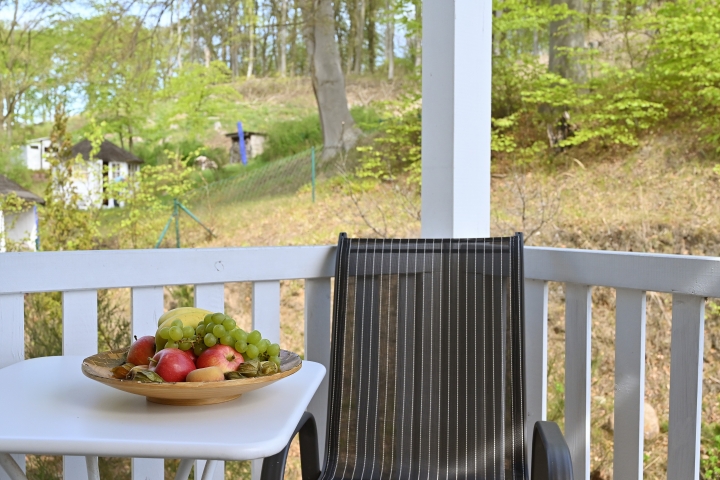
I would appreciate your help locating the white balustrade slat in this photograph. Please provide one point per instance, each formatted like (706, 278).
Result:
(578, 307)
(80, 328)
(147, 307)
(12, 332)
(80, 333)
(12, 329)
(266, 319)
(266, 309)
(48, 271)
(317, 347)
(629, 384)
(210, 297)
(535, 357)
(686, 364)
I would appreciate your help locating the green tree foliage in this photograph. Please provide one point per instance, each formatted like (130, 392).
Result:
(64, 225)
(147, 201)
(196, 93)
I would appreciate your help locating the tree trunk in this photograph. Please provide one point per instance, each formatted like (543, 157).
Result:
(350, 50)
(390, 39)
(192, 32)
(251, 34)
(566, 36)
(179, 35)
(418, 34)
(338, 127)
(293, 41)
(282, 37)
(359, 35)
(371, 35)
(206, 50)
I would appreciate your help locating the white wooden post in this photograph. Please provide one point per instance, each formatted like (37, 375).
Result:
(457, 82)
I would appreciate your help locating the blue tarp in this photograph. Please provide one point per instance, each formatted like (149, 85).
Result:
(241, 143)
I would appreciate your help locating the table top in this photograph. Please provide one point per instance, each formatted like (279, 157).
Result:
(50, 408)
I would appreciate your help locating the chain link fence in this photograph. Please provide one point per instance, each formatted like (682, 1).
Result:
(270, 179)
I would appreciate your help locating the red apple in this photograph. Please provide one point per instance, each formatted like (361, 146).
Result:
(172, 364)
(141, 350)
(190, 354)
(222, 356)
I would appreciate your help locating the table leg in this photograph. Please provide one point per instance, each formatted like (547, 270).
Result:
(93, 469)
(209, 470)
(11, 467)
(183, 471)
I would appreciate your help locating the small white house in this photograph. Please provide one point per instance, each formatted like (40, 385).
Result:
(19, 230)
(254, 145)
(110, 164)
(36, 154)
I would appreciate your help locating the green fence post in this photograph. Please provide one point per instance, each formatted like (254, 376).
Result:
(312, 156)
(176, 214)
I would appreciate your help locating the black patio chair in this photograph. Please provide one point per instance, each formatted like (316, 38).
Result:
(426, 374)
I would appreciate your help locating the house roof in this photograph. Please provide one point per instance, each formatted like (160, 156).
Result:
(8, 186)
(246, 135)
(109, 152)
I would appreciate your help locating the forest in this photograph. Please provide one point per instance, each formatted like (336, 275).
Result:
(565, 72)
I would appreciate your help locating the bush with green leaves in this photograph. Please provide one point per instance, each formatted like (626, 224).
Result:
(710, 462)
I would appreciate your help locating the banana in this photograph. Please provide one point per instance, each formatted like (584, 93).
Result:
(178, 311)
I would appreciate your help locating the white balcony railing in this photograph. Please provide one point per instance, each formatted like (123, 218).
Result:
(78, 275)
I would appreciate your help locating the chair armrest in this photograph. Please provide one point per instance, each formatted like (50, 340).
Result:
(550, 453)
(273, 468)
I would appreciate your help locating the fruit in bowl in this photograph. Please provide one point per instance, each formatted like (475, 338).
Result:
(191, 339)
(172, 364)
(226, 358)
(141, 351)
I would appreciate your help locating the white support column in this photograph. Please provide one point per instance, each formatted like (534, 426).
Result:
(457, 83)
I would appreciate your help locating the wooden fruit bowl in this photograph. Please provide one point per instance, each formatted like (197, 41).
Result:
(99, 368)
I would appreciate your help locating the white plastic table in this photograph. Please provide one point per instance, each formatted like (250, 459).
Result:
(50, 408)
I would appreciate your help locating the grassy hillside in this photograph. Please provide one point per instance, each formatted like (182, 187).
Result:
(660, 198)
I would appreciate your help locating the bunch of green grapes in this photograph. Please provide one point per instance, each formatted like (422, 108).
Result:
(218, 327)
(179, 336)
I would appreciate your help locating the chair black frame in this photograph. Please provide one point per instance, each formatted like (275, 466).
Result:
(498, 330)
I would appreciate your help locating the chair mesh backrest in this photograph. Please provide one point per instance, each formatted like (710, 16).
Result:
(426, 377)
